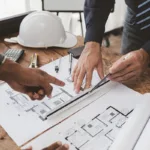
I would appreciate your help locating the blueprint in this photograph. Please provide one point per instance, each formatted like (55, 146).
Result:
(135, 134)
(41, 108)
(96, 126)
(60, 97)
(24, 118)
(108, 108)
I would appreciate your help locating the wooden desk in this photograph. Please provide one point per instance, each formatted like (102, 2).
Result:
(142, 84)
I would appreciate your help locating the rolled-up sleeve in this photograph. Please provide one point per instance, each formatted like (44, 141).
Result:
(96, 13)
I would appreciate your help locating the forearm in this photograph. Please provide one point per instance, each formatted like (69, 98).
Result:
(8, 70)
(96, 13)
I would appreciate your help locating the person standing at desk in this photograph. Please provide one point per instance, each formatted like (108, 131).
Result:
(135, 42)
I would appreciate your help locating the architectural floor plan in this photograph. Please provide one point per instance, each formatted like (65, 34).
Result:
(96, 126)
(60, 96)
(41, 108)
(95, 117)
(99, 133)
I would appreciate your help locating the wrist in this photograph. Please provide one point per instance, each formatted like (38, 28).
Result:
(92, 45)
(6, 70)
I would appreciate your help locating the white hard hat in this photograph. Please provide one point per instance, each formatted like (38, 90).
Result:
(44, 29)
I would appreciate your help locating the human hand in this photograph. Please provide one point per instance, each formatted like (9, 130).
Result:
(33, 82)
(90, 59)
(129, 66)
(55, 146)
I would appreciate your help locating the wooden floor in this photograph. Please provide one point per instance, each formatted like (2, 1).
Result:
(110, 55)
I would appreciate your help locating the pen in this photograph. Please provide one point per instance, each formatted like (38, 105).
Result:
(70, 61)
(57, 67)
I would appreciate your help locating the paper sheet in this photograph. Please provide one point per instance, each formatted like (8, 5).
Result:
(135, 134)
(143, 142)
(24, 119)
(96, 126)
(131, 132)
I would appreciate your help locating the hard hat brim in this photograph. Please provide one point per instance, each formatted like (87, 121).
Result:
(71, 41)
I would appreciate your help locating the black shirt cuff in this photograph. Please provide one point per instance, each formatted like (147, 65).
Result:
(93, 35)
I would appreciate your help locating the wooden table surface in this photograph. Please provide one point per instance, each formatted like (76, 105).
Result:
(142, 84)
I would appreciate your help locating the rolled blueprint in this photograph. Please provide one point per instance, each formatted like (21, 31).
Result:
(132, 130)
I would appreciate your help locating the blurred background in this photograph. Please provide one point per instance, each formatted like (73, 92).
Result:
(70, 11)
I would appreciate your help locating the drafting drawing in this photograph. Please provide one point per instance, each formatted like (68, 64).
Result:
(100, 132)
(27, 115)
(42, 108)
(94, 131)
(60, 97)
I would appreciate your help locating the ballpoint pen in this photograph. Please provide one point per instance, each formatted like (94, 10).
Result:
(70, 62)
(57, 67)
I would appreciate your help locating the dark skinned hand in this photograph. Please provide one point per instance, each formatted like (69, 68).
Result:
(33, 82)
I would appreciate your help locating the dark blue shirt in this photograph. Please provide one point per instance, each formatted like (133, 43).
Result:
(97, 11)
